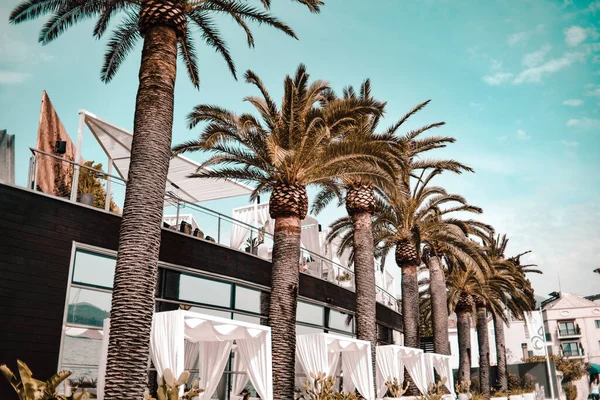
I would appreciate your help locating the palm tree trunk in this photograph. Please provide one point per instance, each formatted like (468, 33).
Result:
(463, 324)
(282, 310)
(483, 340)
(500, 352)
(364, 274)
(139, 240)
(439, 309)
(410, 306)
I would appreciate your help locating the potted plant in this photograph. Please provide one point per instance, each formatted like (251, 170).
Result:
(500, 395)
(394, 389)
(463, 389)
(528, 387)
(516, 394)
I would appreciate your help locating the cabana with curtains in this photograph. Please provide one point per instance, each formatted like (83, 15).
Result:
(391, 361)
(441, 364)
(183, 340)
(321, 352)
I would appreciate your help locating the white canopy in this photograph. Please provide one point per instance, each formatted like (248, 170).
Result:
(391, 361)
(116, 143)
(182, 339)
(441, 363)
(320, 352)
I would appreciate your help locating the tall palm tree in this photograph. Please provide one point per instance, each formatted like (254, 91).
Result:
(358, 193)
(294, 146)
(163, 25)
(517, 301)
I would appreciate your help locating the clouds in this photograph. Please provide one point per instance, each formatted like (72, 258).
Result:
(537, 57)
(573, 102)
(523, 37)
(574, 36)
(584, 124)
(498, 78)
(569, 143)
(12, 78)
(522, 135)
(536, 74)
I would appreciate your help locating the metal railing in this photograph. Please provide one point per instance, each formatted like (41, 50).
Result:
(567, 332)
(180, 215)
(573, 353)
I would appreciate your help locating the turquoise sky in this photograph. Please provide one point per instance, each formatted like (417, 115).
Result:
(517, 82)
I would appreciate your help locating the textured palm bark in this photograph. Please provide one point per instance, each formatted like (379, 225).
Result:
(364, 273)
(483, 339)
(501, 373)
(439, 309)
(139, 240)
(463, 324)
(282, 310)
(410, 305)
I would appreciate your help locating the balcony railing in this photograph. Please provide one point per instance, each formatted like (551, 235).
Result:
(109, 194)
(573, 353)
(568, 332)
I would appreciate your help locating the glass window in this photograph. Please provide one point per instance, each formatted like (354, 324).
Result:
(249, 299)
(597, 323)
(247, 318)
(94, 269)
(88, 307)
(305, 330)
(341, 321)
(309, 313)
(206, 291)
(566, 326)
(210, 311)
(85, 379)
(82, 347)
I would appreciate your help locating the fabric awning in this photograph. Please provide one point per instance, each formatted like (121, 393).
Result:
(116, 143)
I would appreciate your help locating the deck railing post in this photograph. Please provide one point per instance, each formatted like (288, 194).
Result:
(219, 229)
(75, 182)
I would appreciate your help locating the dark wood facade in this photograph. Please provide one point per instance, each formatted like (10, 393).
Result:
(36, 238)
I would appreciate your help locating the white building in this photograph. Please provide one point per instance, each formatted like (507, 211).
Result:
(573, 323)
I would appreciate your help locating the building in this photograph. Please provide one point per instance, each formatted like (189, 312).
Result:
(573, 326)
(57, 261)
(7, 158)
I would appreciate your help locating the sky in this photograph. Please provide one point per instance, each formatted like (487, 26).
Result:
(517, 83)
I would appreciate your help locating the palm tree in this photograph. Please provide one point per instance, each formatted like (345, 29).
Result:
(518, 300)
(358, 193)
(163, 25)
(294, 146)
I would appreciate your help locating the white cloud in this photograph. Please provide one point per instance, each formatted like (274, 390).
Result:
(12, 78)
(535, 74)
(575, 35)
(495, 65)
(537, 57)
(573, 102)
(517, 37)
(522, 135)
(593, 7)
(593, 90)
(569, 144)
(587, 124)
(477, 106)
(498, 78)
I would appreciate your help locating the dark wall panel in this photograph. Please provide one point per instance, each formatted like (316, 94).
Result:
(36, 236)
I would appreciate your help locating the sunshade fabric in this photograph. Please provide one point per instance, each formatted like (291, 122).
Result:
(116, 143)
(408, 357)
(441, 363)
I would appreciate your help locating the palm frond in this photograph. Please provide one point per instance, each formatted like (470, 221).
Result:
(121, 42)
(187, 51)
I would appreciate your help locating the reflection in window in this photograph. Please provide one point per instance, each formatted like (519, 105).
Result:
(209, 311)
(309, 313)
(206, 291)
(88, 307)
(247, 299)
(247, 318)
(341, 321)
(84, 379)
(82, 347)
(94, 269)
(305, 330)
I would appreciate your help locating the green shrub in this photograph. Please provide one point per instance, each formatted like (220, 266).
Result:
(514, 382)
(528, 383)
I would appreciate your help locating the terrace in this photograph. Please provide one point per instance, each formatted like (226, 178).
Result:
(249, 230)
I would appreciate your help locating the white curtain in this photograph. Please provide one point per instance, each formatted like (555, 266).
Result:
(240, 379)
(388, 368)
(213, 358)
(240, 231)
(310, 235)
(427, 363)
(333, 358)
(358, 367)
(311, 351)
(102, 365)
(442, 366)
(256, 355)
(191, 355)
(413, 364)
(167, 344)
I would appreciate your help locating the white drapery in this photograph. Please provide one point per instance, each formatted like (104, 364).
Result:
(213, 357)
(408, 357)
(191, 355)
(171, 331)
(427, 365)
(414, 365)
(240, 379)
(389, 366)
(313, 352)
(102, 365)
(442, 365)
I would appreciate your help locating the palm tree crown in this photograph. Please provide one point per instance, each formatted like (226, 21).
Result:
(138, 14)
